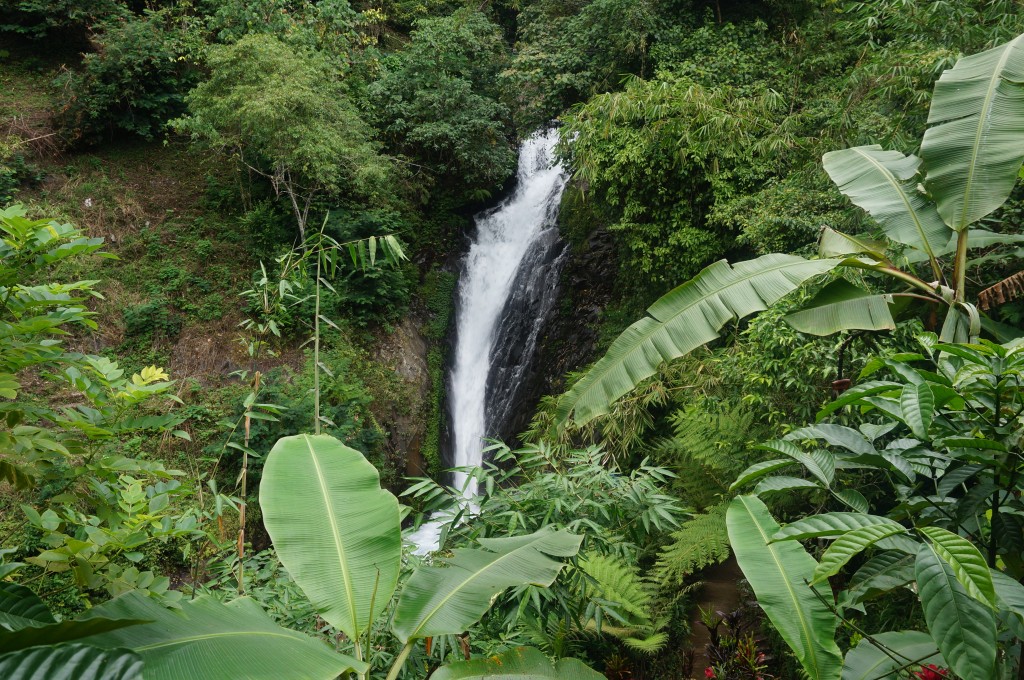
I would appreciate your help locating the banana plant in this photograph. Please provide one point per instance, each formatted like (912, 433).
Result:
(971, 157)
(134, 636)
(942, 432)
(338, 533)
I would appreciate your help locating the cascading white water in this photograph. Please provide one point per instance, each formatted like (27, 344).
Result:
(504, 236)
(496, 266)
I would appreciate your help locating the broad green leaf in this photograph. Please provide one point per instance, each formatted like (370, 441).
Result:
(1010, 594)
(55, 633)
(837, 435)
(449, 599)
(852, 498)
(967, 563)
(829, 525)
(21, 608)
(843, 306)
(71, 662)
(832, 243)
(209, 639)
(778, 484)
(856, 393)
(851, 544)
(917, 403)
(759, 470)
(16, 476)
(910, 647)
(882, 573)
(963, 628)
(974, 149)
(335, 530)
(819, 463)
(683, 320)
(525, 663)
(884, 183)
(778, 573)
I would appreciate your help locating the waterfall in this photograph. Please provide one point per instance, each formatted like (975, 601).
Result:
(505, 292)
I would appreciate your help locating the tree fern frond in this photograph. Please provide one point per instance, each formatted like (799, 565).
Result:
(700, 542)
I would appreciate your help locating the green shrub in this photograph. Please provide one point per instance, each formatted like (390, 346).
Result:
(151, 320)
(134, 82)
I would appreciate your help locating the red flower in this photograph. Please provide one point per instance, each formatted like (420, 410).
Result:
(931, 672)
(709, 672)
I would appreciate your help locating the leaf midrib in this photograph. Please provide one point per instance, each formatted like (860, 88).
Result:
(789, 588)
(599, 376)
(433, 612)
(338, 543)
(906, 202)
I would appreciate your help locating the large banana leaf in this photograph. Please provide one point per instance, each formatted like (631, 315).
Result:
(843, 306)
(867, 662)
(683, 320)
(884, 183)
(778, 574)
(449, 599)
(336, 531)
(974, 150)
(522, 663)
(209, 639)
(71, 662)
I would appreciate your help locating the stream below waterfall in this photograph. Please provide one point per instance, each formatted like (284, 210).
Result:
(507, 288)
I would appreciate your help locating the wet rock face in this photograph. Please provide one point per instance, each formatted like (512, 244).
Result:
(405, 352)
(569, 335)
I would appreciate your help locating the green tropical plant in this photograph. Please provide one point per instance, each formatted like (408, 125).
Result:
(338, 534)
(971, 156)
(935, 455)
(121, 638)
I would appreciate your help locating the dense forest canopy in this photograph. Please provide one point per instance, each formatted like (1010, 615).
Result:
(775, 427)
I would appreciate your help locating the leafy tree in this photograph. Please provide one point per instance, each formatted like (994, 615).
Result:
(437, 104)
(134, 81)
(972, 156)
(281, 112)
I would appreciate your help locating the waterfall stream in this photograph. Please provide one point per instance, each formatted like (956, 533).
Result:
(505, 293)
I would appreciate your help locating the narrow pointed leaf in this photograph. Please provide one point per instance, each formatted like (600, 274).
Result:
(336, 531)
(525, 663)
(209, 639)
(852, 499)
(71, 662)
(851, 544)
(778, 573)
(882, 573)
(783, 483)
(448, 599)
(963, 628)
(759, 470)
(683, 320)
(866, 661)
(829, 525)
(819, 463)
(884, 183)
(967, 563)
(974, 149)
(856, 393)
